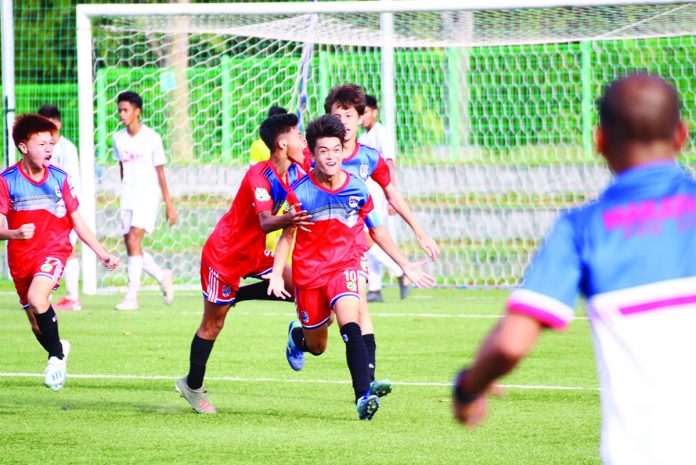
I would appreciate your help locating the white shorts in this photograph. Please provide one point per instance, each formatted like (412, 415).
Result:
(144, 217)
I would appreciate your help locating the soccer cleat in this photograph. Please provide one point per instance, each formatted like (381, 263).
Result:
(375, 296)
(404, 288)
(380, 388)
(127, 304)
(68, 305)
(197, 398)
(367, 406)
(294, 355)
(57, 369)
(167, 287)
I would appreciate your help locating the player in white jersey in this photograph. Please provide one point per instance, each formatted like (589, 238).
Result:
(65, 157)
(632, 254)
(140, 154)
(379, 138)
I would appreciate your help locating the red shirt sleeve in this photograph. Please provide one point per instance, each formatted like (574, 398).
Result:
(69, 197)
(4, 197)
(260, 190)
(381, 173)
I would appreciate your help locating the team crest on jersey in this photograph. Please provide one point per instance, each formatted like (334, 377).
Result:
(304, 316)
(226, 290)
(353, 201)
(262, 194)
(58, 192)
(363, 171)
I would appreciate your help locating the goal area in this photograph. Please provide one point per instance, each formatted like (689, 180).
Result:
(491, 104)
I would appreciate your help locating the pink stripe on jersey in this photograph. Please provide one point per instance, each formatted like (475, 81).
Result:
(544, 317)
(648, 306)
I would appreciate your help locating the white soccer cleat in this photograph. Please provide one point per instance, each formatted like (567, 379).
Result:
(167, 287)
(57, 369)
(127, 304)
(197, 398)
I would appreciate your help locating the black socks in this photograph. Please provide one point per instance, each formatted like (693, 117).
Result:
(371, 349)
(200, 351)
(256, 291)
(356, 356)
(49, 338)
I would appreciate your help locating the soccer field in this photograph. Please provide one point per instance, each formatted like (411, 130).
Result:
(119, 404)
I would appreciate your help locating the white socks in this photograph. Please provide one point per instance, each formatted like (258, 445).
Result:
(72, 279)
(151, 268)
(380, 255)
(135, 271)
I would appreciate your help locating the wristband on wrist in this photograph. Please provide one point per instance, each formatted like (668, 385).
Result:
(460, 395)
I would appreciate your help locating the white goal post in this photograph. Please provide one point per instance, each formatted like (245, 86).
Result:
(491, 104)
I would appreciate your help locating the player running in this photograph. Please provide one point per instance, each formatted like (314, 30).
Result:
(40, 206)
(237, 247)
(325, 260)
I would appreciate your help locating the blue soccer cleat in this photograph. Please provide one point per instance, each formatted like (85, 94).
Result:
(294, 355)
(380, 388)
(367, 406)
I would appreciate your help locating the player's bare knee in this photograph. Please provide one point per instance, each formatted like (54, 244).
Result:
(317, 347)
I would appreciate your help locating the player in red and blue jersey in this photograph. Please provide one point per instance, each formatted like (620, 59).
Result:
(325, 259)
(40, 206)
(632, 254)
(237, 247)
(347, 102)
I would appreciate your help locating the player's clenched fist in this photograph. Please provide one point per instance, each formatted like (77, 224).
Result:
(110, 262)
(26, 231)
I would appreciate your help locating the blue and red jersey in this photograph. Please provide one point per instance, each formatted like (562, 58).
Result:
(338, 217)
(238, 237)
(47, 204)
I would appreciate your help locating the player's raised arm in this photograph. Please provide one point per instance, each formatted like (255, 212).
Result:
(86, 235)
(276, 285)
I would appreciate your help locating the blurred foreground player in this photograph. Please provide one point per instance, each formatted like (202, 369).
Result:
(632, 254)
(39, 203)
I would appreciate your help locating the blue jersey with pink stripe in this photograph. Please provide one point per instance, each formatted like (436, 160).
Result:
(632, 254)
(337, 214)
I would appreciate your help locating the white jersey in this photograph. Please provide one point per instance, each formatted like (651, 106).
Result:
(379, 138)
(139, 155)
(65, 158)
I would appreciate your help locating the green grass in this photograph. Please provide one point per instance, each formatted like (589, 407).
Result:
(269, 414)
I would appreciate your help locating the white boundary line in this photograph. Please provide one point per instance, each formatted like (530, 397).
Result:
(292, 381)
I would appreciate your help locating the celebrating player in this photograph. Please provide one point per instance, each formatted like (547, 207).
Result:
(347, 102)
(141, 159)
(325, 259)
(40, 206)
(65, 157)
(632, 254)
(236, 248)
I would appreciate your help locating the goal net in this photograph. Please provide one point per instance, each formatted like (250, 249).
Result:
(492, 110)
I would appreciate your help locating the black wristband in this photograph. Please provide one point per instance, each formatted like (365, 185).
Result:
(459, 394)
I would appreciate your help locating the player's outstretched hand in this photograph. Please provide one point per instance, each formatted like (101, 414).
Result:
(429, 246)
(172, 215)
(26, 231)
(110, 262)
(298, 217)
(276, 286)
(414, 272)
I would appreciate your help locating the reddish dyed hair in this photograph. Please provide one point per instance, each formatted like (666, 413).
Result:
(29, 124)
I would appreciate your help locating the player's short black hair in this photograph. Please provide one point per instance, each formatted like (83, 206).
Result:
(346, 96)
(49, 111)
(325, 126)
(275, 110)
(131, 97)
(371, 101)
(274, 126)
(29, 124)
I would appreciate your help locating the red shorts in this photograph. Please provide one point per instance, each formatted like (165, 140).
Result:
(221, 291)
(49, 267)
(314, 305)
(362, 267)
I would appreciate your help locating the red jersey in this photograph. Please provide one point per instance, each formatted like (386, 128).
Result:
(238, 239)
(48, 204)
(338, 216)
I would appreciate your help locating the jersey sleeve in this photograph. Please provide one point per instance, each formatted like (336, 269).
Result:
(552, 282)
(72, 166)
(368, 213)
(381, 173)
(69, 195)
(261, 191)
(158, 157)
(4, 197)
(117, 155)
